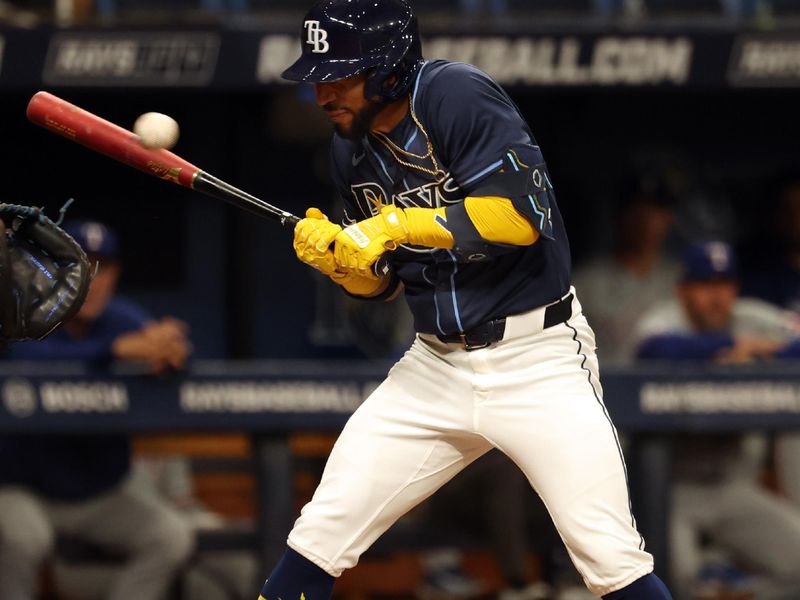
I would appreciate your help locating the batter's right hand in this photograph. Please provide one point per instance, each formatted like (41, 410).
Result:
(312, 239)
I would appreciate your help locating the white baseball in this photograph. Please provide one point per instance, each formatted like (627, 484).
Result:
(156, 130)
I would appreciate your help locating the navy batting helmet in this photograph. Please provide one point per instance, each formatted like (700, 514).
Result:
(341, 38)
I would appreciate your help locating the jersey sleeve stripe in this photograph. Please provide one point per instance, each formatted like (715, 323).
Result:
(485, 171)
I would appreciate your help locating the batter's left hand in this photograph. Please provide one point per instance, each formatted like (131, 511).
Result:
(361, 244)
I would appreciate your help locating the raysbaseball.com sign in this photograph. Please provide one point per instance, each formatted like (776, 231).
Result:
(542, 60)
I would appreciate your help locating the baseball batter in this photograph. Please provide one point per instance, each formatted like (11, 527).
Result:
(444, 184)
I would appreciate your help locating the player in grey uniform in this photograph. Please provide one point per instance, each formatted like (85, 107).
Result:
(447, 193)
(716, 492)
(618, 288)
(707, 320)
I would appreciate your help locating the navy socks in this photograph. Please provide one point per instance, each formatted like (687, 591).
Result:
(649, 587)
(296, 577)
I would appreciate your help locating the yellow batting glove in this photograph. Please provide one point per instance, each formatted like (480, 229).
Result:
(361, 244)
(357, 284)
(312, 239)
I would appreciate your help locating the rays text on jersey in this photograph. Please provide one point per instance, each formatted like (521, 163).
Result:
(370, 196)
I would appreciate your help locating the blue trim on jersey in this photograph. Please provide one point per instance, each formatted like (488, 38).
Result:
(533, 202)
(411, 139)
(435, 301)
(538, 212)
(416, 85)
(380, 160)
(453, 290)
(488, 169)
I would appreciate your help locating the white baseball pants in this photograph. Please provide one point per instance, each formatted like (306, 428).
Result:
(535, 395)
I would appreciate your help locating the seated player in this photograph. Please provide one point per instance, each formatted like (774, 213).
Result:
(716, 492)
(79, 484)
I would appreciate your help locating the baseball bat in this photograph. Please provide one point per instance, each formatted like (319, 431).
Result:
(98, 134)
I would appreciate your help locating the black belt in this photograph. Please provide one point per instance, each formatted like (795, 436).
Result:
(492, 331)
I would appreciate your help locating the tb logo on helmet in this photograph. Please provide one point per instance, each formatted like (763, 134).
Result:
(317, 37)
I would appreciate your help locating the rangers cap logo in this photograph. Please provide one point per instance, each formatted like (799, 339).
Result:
(316, 37)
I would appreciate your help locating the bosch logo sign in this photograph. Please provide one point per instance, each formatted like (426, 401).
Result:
(19, 397)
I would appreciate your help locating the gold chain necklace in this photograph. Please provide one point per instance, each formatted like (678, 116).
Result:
(436, 172)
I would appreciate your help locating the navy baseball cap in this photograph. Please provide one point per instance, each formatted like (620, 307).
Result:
(705, 261)
(95, 238)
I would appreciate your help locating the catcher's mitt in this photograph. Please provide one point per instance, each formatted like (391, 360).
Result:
(44, 274)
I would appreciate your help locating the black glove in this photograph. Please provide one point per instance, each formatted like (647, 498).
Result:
(44, 274)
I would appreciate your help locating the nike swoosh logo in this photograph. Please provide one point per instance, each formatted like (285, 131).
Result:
(358, 159)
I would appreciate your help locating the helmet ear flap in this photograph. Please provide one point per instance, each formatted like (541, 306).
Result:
(376, 88)
(402, 62)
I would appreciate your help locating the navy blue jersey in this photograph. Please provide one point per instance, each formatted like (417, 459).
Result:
(475, 130)
(72, 467)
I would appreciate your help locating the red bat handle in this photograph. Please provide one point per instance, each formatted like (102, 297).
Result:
(78, 125)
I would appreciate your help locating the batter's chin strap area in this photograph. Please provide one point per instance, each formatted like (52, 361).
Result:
(7, 304)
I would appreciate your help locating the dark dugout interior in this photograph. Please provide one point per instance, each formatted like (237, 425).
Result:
(234, 277)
